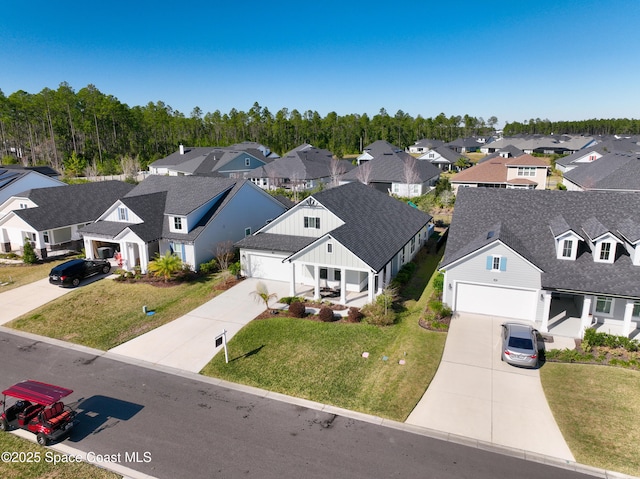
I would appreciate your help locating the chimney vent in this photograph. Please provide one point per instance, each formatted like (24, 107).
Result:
(181, 149)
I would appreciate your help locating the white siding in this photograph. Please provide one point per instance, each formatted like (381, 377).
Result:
(14, 204)
(292, 222)
(113, 214)
(340, 257)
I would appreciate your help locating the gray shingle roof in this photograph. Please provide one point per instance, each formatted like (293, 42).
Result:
(273, 242)
(388, 167)
(303, 163)
(528, 214)
(613, 171)
(61, 206)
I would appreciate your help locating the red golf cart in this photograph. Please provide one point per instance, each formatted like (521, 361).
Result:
(37, 409)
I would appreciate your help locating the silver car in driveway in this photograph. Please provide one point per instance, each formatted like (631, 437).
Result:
(520, 345)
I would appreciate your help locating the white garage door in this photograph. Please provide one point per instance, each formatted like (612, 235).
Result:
(269, 267)
(510, 303)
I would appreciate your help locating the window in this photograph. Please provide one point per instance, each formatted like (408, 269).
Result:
(432, 155)
(23, 206)
(567, 248)
(123, 214)
(45, 236)
(605, 251)
(177, 223)
(329, 248)
(636, 309)
(526, 171)
(179, 250)
(323, 273)
(30, 236)
(312, 222)
(247, 162)
(413, 244)
(496, 263)
(603, 305)
(336, 275)
(247, 232)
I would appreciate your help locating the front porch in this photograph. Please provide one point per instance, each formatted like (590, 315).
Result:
(355, 299)
(570, 315)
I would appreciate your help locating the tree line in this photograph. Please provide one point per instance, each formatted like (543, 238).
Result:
(74, 131)
(593, 127)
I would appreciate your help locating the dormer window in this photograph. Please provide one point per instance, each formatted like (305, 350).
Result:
(605, 251)
(567, 248)
(177, 223)
(123, 214)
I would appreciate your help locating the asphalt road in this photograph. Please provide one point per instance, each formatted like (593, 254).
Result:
(187, 428)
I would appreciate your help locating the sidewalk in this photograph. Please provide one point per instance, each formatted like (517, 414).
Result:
(187, 343)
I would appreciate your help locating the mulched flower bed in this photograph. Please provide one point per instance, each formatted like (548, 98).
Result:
(445, 322)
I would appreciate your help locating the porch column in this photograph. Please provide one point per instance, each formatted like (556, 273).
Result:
(292, 280)
(546, 307)
(370, 285)
(316, 278)
(387, 274)
(628, 311)
(343, 286)
(585, 318)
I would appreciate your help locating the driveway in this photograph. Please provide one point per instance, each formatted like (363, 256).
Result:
(19, 301)
(188, 342)
(476, 395)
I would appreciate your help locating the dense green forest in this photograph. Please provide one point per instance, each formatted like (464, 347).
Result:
(73, 131)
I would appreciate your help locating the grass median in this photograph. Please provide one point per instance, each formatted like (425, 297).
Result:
(107, 313)
(323, 361)
(596, 408)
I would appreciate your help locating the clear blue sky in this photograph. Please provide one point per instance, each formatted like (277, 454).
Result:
(515, 59)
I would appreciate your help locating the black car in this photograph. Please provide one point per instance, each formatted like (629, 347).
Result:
(72, 272)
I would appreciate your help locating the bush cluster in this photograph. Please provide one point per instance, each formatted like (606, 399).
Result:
(209, 267)
(291, 299)
(593, 339)
(405, 274)
(297, 309)
(354, 315)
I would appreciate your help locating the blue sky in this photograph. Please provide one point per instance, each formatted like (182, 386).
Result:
(516, 60)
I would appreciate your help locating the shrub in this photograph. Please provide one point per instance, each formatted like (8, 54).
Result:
(291, 299)
(234, 268)
(209, 267)
(28, 253)
(374, 313)
(326, 314)
(297, 309)
(438, 283)
(355, 316)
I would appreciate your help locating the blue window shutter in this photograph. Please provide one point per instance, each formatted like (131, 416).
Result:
(503, 264)
(489, 262)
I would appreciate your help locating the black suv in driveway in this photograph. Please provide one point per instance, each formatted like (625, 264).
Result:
(72, 272)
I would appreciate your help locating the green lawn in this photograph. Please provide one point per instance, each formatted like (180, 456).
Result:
(107, 313)
(14, 275)
(45, 468)
(597, 410)
(323, 361)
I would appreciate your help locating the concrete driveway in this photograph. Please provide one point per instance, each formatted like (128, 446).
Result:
(188, 342)
(476, 395)
(19, 301)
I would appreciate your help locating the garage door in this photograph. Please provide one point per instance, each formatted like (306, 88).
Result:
(510, 303)
(269, 267)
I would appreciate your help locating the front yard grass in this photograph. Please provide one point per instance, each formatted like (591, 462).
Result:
(14, 275)
(323, 361)
(596, 408)
(44, 469)
(107, 313)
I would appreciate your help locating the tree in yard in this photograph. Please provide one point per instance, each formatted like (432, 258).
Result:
(224, 254)
(336, 170)
(410, 174)
(166, 265)
(262, 294)
(461, 163)
(363, 174)
(130, 166)
(28, 253)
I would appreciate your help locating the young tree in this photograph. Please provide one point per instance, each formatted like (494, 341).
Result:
(262, 294)
(336, 170)
(363, 174)
(410, 174)
(224, 254)
(28, 253)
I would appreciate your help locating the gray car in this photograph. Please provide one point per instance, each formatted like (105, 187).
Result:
(519, 345)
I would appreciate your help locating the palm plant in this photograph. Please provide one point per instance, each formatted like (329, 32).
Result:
(166, 265)
(262, 294)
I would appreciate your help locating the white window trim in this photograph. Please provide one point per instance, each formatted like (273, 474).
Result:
(606, 299)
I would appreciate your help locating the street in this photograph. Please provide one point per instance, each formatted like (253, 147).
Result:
(169, 426)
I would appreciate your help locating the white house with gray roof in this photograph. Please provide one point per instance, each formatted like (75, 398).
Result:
(15, 180)
(562, 260)
(189, 215)
(606, 171)
(351, 238)
(443, 157)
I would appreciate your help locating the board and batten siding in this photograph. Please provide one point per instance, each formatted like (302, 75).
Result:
(340, 257)
(114, 215)
(292, 222)
(518, 273)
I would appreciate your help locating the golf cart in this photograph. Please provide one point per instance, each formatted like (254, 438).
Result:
(37, 409)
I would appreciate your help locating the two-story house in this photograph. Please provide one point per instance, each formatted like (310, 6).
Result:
(351, 238)
(188, 215)
(563, 260)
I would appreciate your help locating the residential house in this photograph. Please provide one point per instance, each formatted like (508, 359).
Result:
(351, 238)
(605, 145)
(51, 217)
(191, 216)
(548, 145)
(14, 180)
(303, 168)
(522, 172)
(611, 171)
(508, 151)
(375, 149)
(562, 260)
(464, 145)
(443, 157)
(231, 162)
(422, 146)
(393, 171)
